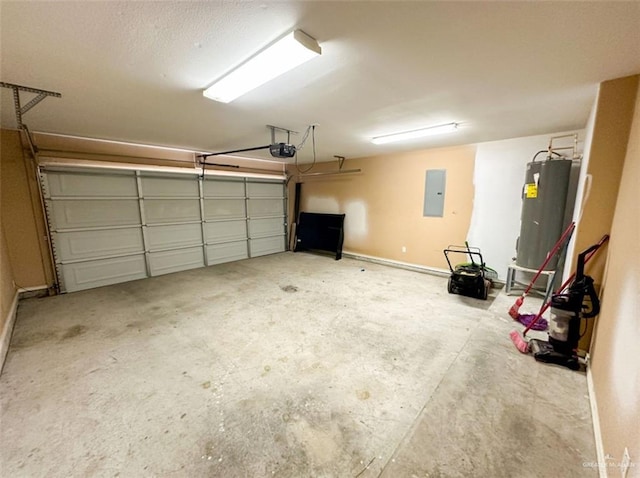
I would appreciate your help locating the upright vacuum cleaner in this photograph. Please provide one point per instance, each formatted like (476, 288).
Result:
(580, 301)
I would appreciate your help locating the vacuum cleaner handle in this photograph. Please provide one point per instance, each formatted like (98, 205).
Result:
(593, 299)
(582, 260)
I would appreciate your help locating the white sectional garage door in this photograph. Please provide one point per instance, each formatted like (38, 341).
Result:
(111, 226)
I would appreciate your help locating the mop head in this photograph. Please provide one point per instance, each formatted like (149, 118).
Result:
(521, 344)
(526, 319)
(515, 308)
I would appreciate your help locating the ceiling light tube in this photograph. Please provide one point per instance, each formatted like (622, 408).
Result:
(416, 133)
(291, 50)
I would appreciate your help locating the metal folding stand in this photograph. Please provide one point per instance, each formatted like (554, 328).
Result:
(512, 269)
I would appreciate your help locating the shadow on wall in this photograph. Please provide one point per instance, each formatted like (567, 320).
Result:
(355, 226)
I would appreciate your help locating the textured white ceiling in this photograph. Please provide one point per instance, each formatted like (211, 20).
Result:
(135, 71)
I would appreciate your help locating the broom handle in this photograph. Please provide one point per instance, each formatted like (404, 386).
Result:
(564, 285)
(552, 253)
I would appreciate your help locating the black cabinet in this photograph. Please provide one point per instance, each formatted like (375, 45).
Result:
(322, 232)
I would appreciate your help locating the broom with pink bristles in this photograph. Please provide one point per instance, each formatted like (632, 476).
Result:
(514, 311)
(519, 341)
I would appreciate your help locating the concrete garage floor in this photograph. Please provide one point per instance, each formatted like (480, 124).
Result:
(291, 365)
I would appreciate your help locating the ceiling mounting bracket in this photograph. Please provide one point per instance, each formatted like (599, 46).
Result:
(273, 133)
(21, 110)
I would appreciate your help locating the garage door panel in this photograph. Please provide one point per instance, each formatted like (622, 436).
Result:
(222, 189)
(174, 261)
(79, 245)
(228, 252)
(265, 227)
(158, 211)
(265, 207)
(96, 218)
(266, 190)
(166, 237)
(225, 231)
(223, 208)
(87, 275)
(76, 214)
(170, 187)
(267, 245)
(91, 185)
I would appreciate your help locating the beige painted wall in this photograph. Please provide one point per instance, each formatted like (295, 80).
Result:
(384, 203)
(614, 113)
(615, 362)
(22, 218)
(7, 290)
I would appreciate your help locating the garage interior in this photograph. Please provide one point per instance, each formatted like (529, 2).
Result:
(166, 309)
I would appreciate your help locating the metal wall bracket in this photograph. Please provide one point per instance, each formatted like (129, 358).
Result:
(278, 128)
(21, 110)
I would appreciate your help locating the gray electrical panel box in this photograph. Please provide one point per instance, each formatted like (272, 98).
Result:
(434, 185)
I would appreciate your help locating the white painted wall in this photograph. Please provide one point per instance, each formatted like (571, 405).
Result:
(499, 173)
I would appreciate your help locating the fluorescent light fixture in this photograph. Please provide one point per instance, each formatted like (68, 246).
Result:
(291, 50)
(416, 133)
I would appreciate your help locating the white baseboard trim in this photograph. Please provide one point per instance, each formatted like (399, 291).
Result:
(5, 339)
(37, 291)
(600, 456)
(31, 289)
(401, 265)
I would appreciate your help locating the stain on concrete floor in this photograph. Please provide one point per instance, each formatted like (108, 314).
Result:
(289, 288)
(74, 331)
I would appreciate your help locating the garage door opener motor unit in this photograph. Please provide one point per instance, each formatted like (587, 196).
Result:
(276, 149)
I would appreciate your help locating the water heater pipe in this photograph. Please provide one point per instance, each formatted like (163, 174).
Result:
(574, 147)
